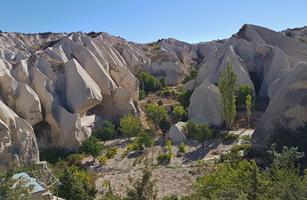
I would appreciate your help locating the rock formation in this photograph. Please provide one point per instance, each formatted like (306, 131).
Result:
(54, 85)
(176, 133)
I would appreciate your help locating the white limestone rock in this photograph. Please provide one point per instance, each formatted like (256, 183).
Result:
(176, 133)
(205, 105)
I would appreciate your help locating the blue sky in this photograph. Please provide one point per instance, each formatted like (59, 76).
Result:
(149, 20)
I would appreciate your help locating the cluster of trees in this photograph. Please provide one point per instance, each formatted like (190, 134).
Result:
(233, 97)
(149, 83)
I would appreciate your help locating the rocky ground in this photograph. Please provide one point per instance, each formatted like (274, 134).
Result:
(176, 178)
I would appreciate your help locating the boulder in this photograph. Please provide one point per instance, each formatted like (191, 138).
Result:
(82, 93)
(205, 105)
(176, 133)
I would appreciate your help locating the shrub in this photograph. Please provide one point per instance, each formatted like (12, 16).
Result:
(105, 131)
(142, 94)
(75, 159)
(140, 142)
(178, 113)
(130, 125)
(198, 131)
(77, 184)
(155, 113)
(184, 98)
(230, 137)
(103, 159)
(246, 138)
(243, 179)
(182, 148)
(91, 146)
(111, 152)
(164, 159)
(165, 92)
(149, 83)
(191, 76)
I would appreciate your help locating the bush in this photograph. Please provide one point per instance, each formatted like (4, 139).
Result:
(164, 159)
(178, 113)
(111, 152)
(130, 125)
(75, 159)
(184, 98)
(243, 179)
(155, 113)
(198, 131)
(91, 146)
(103, 159)
(140, 142)
(193, 74)
(165, 92)
(142, 94)
(182, 148)
(106, 131)
(246, 138)
(230, 137)
(148, 83)
(77, 184)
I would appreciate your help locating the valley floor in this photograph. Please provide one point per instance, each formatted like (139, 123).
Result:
(177, 178)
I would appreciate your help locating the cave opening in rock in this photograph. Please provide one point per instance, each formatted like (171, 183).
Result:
(257, 81)
(43, 134)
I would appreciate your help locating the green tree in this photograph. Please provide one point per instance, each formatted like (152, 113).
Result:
(92, 146)
(105, 131)
(75, 186)
(155, 113)
(248, 104)
(14, 189)
(227, 88)
(148, 83)
(240, 93)
(130, 125)
(178, 113)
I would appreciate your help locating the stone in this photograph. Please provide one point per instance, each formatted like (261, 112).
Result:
(205, 105)
(176, 133)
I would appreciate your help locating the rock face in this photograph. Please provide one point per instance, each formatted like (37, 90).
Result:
(176, 133)
(287, 109)
(260, 57)
(52, 85)
(206, 103)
